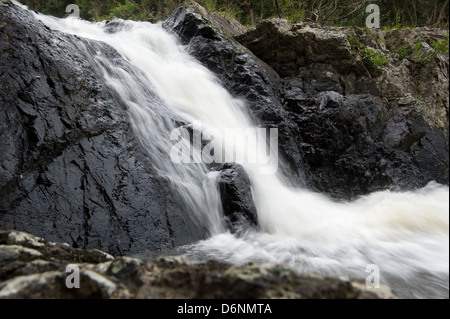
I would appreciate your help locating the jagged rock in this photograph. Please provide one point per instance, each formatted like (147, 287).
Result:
(171, 277)
(359, 144)
(191, 20)
(288, 47)
(13, 252)
(71, 168)
(324, 58)
(51, 285)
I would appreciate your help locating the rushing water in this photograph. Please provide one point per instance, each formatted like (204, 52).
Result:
(405, 234)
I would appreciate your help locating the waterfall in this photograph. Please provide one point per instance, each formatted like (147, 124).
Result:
(405, 234)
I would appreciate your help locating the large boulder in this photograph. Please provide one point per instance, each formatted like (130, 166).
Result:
(71, 168)
(287, 47)
(409, 66)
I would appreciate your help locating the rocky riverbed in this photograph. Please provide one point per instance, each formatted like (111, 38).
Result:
(31, 267)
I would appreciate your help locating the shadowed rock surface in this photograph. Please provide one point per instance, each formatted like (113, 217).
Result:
(71, 168)
(31, 267)
(237, 198)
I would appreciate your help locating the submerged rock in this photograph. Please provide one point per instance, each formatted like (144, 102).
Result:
(237, 198)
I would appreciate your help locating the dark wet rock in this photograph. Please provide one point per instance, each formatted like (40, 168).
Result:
(237, 199)
(71, 167)
(357, 144)
(192, 20)
(171, 277)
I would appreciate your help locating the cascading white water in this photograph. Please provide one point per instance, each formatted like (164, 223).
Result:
(405, 234)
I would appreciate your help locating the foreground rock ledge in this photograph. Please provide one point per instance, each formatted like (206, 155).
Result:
(31, 267)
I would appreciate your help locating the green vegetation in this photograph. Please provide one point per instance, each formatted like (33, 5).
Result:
(423, 50)
(441, 46)
(420, 54)
(354, 44)
(403, 53)
(393, 13)
(373, 59)
(292, 11)
(127, 11)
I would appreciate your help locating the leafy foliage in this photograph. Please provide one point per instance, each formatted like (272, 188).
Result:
(127, 11)
(403, 53)
(393, 13)
(423, 50)
(441, 46)
(372, 58)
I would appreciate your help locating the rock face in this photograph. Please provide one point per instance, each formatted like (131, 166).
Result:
(31, 267)
(361, 144)
(357, 111)
(71, 168)
(372, 106)
(236, 194)
(288, 48)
